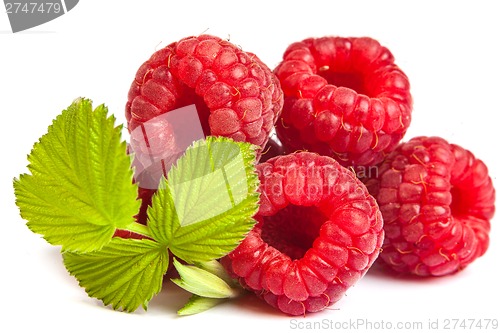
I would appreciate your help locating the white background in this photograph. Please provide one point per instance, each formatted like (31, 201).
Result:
(449, 50)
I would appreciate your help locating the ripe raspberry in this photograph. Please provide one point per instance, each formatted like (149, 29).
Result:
(235, 94)
(318, 232)
(345, 98)
(436, 199)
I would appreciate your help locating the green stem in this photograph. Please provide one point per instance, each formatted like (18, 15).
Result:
(140, 229)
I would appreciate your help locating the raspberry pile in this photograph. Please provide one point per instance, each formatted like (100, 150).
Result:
(437, 200)
(336, 104)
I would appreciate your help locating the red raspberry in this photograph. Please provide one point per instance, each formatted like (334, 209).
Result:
(318, 232)
(345, 98)
(437, 201)
(235, 94)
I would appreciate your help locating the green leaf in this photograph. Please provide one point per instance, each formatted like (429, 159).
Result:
(206, 207)
(197, 304)
(202, 283)
(162, 217)
(80, 188)
(216, 268)
(126, 273)
(210, 179)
